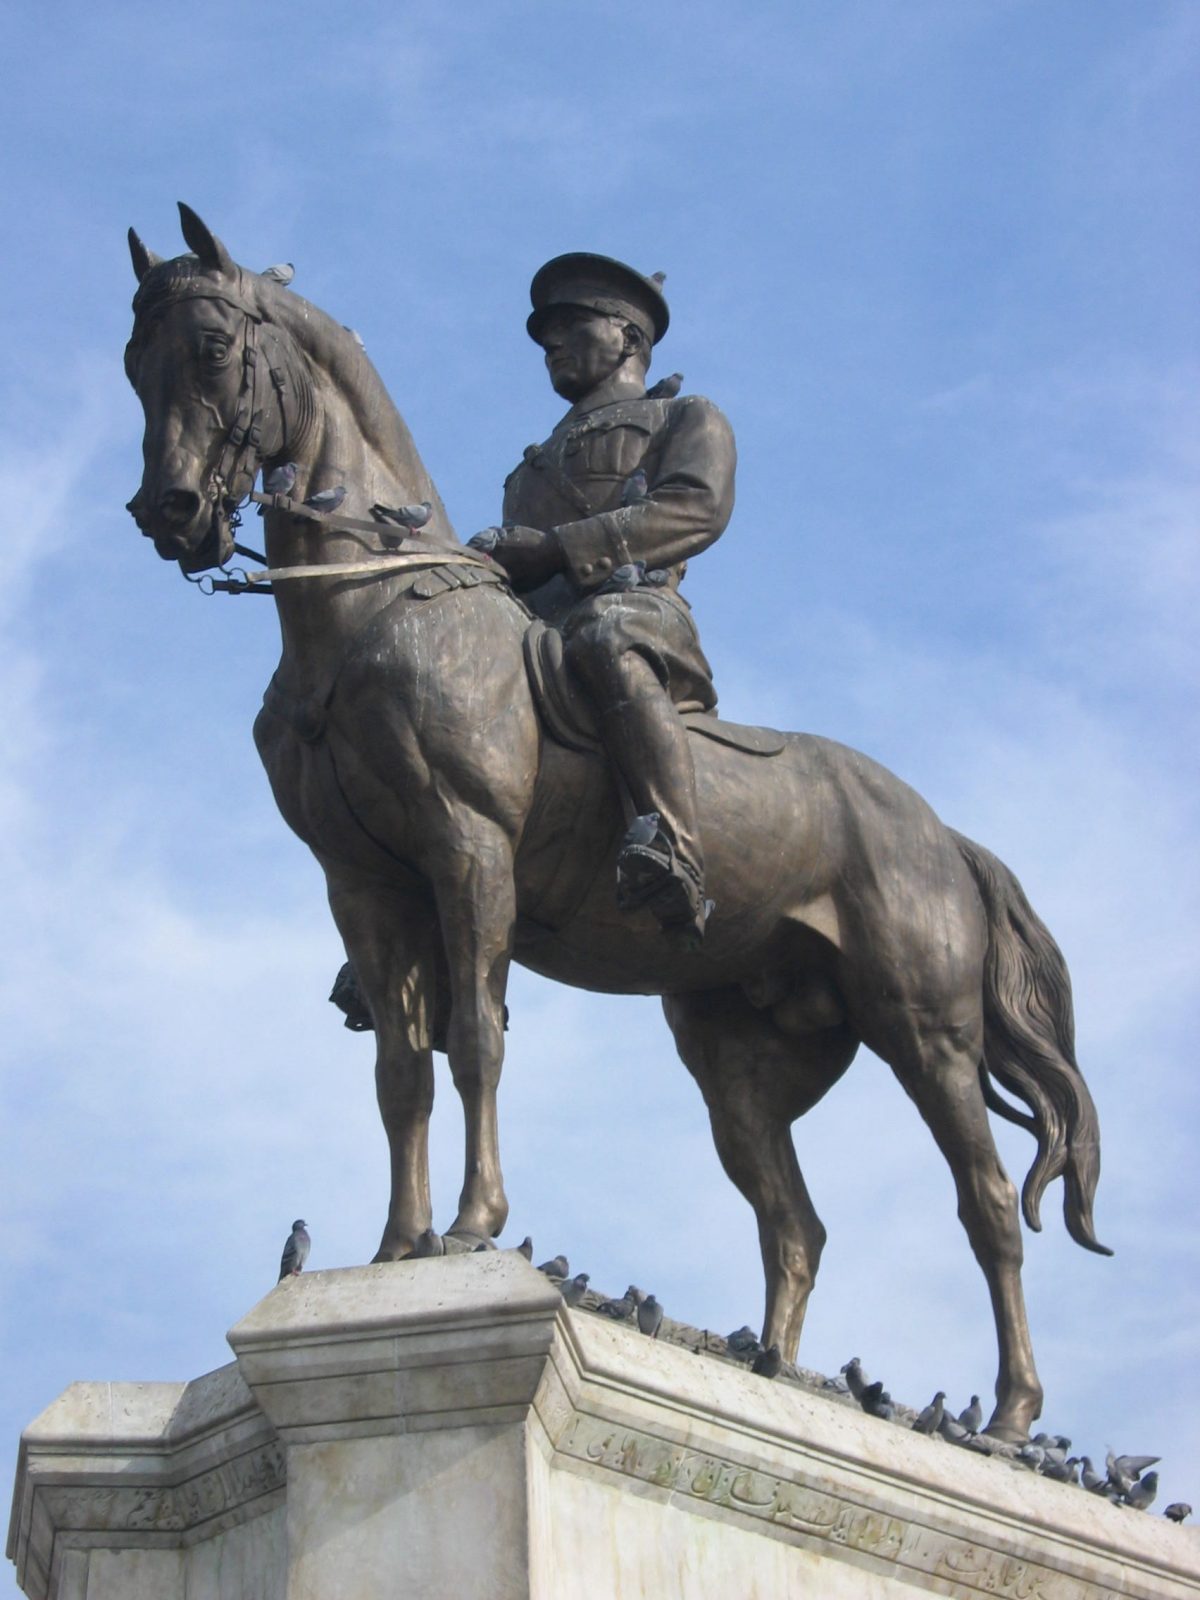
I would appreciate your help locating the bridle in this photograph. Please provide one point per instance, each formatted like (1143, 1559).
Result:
(241, 452)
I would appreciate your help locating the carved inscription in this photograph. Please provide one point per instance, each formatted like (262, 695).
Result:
(213, 1493)
(821, 1515)
(226, 1491)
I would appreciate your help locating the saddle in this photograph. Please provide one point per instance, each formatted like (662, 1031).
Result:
(569, 718)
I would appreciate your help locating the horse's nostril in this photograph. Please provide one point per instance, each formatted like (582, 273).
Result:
(179, 505)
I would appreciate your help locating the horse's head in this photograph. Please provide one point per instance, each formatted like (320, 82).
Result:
(196, 362)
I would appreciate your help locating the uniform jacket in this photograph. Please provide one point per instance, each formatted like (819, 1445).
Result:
(573, 485)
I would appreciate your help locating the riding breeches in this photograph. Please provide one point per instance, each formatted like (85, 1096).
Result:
(638, 655)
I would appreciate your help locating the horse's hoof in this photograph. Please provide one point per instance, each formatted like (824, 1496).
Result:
(1011, 1426)
(462, 1242)
(399, 1250)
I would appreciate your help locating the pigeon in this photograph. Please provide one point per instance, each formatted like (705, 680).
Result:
(556, 1267)
(768, 1363)
(929, 1419)
(282, 273)
(1032, 1456)
(574, 1289)
(486, 540)
(428, 1244)
(659, 278)
(1124, 1471)
(525, 1248)
(1062, 1471)
(295, 1251)
(656, 578)
(856, 1378)
(1056, 1451)
(743, 1343)
(415, 516)
(627, 576)
(410, 518)
(836, 1385)
(1090, 1478)
(326, 499)
(1178, 1511)
(665, 388)
(621, 1310)
(876, 1401)
(1140, 1494)
(280, 479)
(952, 1430)
(649, 1316)
(642, 830)
(971, 1417)
(636, 489)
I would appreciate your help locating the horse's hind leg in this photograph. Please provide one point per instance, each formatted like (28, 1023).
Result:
(756, 1082)
(939, 1069)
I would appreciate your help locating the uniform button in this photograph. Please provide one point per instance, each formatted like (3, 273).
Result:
(586, 569)
(603, 565)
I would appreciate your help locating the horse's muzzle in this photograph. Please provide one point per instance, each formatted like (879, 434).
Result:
(185, 528)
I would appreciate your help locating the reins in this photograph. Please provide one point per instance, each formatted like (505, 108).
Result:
(380, 566)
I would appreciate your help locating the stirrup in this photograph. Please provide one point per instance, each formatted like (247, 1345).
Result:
(651, 875)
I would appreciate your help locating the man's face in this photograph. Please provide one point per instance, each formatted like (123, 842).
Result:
(582, 349)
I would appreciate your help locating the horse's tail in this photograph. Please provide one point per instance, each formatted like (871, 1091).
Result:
(1029, 1047)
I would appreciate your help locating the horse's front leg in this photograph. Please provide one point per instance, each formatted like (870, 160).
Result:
(391, 940)
(476, 899)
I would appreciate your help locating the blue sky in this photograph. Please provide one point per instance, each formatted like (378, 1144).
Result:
(936, 262)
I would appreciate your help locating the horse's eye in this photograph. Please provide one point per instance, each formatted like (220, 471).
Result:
(215, 350)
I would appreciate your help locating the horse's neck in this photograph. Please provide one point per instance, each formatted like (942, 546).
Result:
(354, 438)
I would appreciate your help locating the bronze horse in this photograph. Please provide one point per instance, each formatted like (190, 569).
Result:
(404, 744)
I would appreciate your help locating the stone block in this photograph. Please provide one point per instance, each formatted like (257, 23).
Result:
(446, 1429)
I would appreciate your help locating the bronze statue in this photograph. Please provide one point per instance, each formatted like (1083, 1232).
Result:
(599, 523)
(419, 736)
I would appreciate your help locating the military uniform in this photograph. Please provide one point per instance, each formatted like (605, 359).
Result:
(627, 489)
(573, 487)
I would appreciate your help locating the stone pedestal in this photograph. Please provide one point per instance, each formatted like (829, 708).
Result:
(446, 1429)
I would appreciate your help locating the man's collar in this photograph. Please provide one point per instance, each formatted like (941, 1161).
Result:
(620, 386)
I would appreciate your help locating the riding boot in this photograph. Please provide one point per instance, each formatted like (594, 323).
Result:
(648, 744)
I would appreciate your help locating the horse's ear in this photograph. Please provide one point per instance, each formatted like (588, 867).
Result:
(212, 253)
(143, 259)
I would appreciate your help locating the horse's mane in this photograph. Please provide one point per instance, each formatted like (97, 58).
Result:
(341, 356)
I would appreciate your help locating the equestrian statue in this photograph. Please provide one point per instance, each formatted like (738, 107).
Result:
(508, 750)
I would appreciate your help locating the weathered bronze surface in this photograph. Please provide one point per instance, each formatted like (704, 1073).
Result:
(405, 745)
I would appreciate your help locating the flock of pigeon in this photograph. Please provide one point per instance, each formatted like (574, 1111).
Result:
(1128, 1480)
(281, 480)
(635, 1305)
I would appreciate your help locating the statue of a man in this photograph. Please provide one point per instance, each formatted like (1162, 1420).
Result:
(599, 524)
